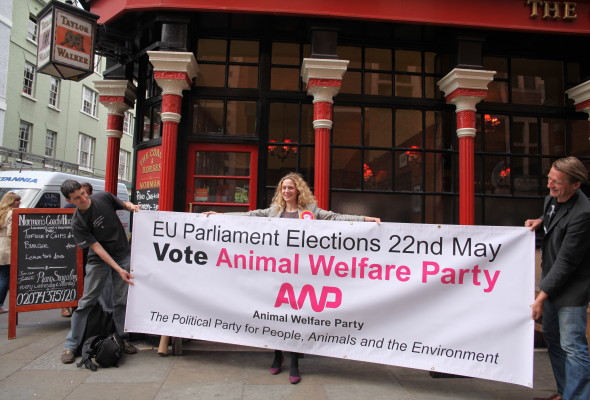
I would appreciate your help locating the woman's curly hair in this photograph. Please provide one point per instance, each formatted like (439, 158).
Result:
(304, 195)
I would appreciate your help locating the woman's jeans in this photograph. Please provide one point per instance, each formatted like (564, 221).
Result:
(564, 330)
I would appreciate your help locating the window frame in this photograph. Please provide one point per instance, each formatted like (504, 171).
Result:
(29, 73)
(25, 136)
(86, 141)
(89, 103)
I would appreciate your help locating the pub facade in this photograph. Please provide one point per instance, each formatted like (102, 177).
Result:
(422, 112)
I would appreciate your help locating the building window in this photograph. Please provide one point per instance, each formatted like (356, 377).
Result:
(24, 136)
(32, 29)
(54, 92)
(86, 151)
(97, 65)
(228, 63)
(128, 123)
(124, 157)
(89, 101)
(50, 138)
(29, 79)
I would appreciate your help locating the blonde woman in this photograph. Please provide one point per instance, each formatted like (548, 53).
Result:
(293, 199)
(9, 201)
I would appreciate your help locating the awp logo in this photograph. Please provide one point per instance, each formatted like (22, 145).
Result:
(287, 296)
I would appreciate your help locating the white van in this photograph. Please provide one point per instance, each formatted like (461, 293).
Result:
(40, 189)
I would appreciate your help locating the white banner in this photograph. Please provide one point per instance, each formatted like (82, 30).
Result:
(443, 298)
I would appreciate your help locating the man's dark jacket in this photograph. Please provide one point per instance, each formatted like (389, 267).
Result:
(566, 253)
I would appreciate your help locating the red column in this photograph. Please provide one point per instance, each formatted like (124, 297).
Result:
(117, 96)
(173, 71)
(324, 80)
(464, 89)
(171, 104)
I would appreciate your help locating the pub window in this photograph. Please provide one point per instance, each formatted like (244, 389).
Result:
(286, 60)
(124, 158)
(224, 117)
(228, 63)
(387, 72)
(152, 122)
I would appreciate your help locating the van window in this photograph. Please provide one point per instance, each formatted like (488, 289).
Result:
(48, 200)
(26, 195)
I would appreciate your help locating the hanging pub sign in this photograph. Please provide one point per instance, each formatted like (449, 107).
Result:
(66, 41)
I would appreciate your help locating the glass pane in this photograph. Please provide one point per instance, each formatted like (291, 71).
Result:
(408, 128)
(283, 120)
(378, 84)
(434, 131)
(211, 75)
(573, 72)
(306, 164)
(307, 130)
(285, 53)
(212, 190)
(497, 175)
(497, 92)
(430, 62)
(221, 163)
(241, 118)
(378, 59)
(408, 172)
(241, 76)
(431, 89)
(525, 173)
(346, 169)
(524, 135)
(243, 51)
(377, 170)
(284, 79)
(438, 210)
(146, 126)
(220, 209)
(156, 121)
(438, 177)
(347, 126)
(408, 85)
(580, 138)
(208, 116)
(408, 61)
(498, 64)
(280, 166)
(514, 211)
(537, 82)
(408, 208)
(378, 126)
(553, 136)
(211, 50)
(351, 83)
(352, 54)
(496, 133)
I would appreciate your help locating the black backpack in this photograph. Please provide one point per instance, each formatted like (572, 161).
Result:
(106, 351)
(99, 323)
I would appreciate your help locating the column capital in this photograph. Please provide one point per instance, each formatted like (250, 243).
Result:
(581, 96)
(465, 87)
(117, 95)
(322, 68)
(174, 70)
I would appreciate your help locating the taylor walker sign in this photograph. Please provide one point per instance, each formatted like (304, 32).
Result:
(444, 298)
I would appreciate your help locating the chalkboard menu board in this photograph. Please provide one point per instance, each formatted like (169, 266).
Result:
(46, 265)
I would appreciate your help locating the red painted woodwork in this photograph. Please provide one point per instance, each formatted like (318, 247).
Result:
(497, 14)
(583, 105)
(322, 110)
(466, 180)
(465, 119)
(466, 92)
(112, 164)
(115, 122)
(324, 82)
(171, 103)
(169, 145)
(322, 168)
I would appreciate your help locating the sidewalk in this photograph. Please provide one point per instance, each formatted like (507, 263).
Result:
(30, 368)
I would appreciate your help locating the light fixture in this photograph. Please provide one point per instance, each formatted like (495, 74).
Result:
(281, 151)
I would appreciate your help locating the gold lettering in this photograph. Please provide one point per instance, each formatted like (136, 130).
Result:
(569, 11)
(534, 7)
(551, 9)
